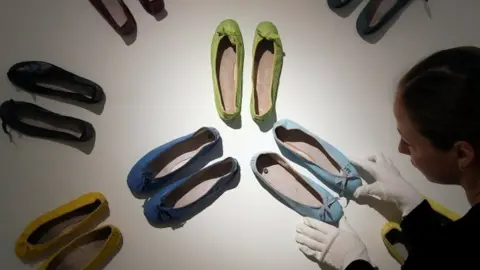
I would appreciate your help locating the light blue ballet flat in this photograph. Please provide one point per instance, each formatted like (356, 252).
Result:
(294, 190)
(323, 160)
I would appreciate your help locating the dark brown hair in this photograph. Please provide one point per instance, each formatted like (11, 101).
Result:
(441, 95)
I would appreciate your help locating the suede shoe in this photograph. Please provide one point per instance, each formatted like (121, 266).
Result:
(227, 54)
(56, 228)
(92, 250)
(117, 14)
(49, 80)
(267, 67)
(323, 160)
(295, 190)
(35, 121)
(169, 162)
(337, 3)
(153, 6)
(376, 14)
(187, 197)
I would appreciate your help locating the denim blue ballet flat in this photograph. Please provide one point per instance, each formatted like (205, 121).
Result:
(294, 190)
(187, 197)
(171, 161)
(323, 160)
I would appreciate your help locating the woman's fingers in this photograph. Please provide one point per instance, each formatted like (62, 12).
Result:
(311, 253)
(311, 233)
(306, 250)
(376, 189)
(323, 227)
(309, 242)
(366, 165)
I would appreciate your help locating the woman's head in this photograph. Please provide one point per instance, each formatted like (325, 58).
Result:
(438, 114)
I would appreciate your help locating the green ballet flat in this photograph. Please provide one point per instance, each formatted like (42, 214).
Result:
(227, 69)
(267, 67)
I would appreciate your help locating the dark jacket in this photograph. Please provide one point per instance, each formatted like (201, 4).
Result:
(434, 243)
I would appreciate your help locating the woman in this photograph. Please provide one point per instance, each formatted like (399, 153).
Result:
(437, 109)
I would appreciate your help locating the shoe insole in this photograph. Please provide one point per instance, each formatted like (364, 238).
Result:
(181, 153)
(396, 238)
(66, 86)
(53, 123)
(308, 147)
(198, 185)
(116, 11)
(227, 74)
(286, 181)
(378, 10)
(81, 252)
(263, 76)
(61, 225)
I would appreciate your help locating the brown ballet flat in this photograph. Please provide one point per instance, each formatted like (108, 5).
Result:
(153, 6)
(117, 14)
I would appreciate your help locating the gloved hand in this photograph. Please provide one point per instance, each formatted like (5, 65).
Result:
(337, 247)
(389, 184)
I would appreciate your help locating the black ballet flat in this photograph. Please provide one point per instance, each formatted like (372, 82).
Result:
(49, 80)
(35, 121)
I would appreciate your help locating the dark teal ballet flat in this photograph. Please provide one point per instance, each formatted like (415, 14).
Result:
(338, 3)
(376, 14)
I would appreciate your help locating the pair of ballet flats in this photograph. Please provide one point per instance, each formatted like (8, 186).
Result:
(375, 15)
(176, 180)
(297, 191)
(68, 238)
(48, 80)
(227, 55)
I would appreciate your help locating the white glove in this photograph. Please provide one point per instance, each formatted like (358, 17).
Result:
(337, 247)
(389, 184)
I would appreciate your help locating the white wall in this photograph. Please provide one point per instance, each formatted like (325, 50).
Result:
(159, 88)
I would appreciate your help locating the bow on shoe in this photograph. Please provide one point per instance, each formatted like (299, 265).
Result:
(162, 214)
(270, 36)
(341, 182)
(232, 35)
(326, 210)
(147, 177)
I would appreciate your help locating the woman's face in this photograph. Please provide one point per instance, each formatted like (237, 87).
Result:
(438, 166)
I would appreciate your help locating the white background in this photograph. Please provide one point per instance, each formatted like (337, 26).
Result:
(159, 88)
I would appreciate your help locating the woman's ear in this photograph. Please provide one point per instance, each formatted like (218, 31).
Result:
(464, 153)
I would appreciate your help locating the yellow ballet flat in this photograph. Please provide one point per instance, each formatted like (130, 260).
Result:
(57, 228)
(399, 254)
(92, 250)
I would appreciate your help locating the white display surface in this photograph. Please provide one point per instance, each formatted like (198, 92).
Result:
(333, 83)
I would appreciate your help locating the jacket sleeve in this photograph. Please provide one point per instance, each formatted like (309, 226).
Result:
(421, 224)
(360, 265)
(421, 229)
